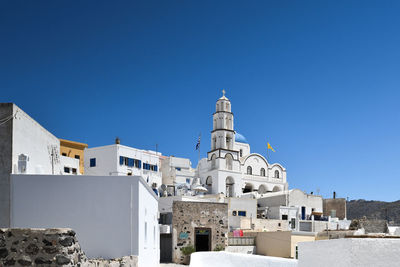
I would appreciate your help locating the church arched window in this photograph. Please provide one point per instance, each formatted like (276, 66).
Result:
(262, 172)
(213, 159)
(249, 170)
(209, 184)
(229, 161)
(276, 174)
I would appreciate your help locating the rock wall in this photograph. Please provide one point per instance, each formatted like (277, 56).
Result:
(337, 204)
(48, 247)
(187, 216)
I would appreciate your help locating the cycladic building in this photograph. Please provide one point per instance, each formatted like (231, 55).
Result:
(25, 148)
(230, 168)
(117, 159)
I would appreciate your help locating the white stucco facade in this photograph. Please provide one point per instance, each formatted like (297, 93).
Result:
(112, 216)
(230, 167)
(350, 252)
(26, 147)
(34, 143)
(122, 160)
(177, 170)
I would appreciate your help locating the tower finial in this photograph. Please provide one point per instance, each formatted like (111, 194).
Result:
(223, 92)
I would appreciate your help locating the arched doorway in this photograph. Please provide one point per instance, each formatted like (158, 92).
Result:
(248, 188)
(230, 184)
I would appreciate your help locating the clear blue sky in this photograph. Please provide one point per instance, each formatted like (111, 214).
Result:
(319, 80)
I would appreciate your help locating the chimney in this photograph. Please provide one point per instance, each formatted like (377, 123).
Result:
(334, 194)
(117, 141)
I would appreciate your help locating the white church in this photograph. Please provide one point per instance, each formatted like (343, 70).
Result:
(230, 167)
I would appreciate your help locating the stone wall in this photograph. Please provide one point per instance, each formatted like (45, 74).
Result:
(337, 204)
(48, 247)
(190, 215)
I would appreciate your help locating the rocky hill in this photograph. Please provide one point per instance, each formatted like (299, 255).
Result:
(372, 209)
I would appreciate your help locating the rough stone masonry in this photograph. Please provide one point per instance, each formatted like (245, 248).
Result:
(49, 247)
(190, 215)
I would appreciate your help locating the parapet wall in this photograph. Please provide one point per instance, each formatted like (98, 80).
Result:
(48, 247)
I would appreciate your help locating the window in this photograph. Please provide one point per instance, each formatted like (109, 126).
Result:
(284, 217)
(234, 213)
(138, 163)
(213, 157)
(276, 174)
(249, 170)
(77, 157)
(64, 154)
(241, 152)
(121, 160)
(66, 169)
(188, 180)
(93, 162)
(293, 223)
(228, 161)
(262, 172)
(242, 213)
(177, 168)
(74, 170)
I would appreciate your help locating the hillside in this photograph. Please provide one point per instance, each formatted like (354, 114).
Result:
(374, 210)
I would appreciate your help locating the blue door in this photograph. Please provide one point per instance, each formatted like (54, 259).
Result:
(303, 213)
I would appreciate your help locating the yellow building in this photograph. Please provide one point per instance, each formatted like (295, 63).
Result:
(73, 150)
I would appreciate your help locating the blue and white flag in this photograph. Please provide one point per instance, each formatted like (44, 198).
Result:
(198, 143)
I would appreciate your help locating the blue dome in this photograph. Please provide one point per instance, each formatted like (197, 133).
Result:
(240, 138)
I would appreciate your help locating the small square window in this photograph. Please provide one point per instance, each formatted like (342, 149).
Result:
(234, 213)
(93, 162)
(66, 169)
(242, 213)
(64, 154)
(74, 170)
(77, 157)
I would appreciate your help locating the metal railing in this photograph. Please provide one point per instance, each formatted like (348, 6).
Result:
(242, 241)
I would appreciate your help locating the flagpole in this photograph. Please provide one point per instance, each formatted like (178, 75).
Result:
(199, 148)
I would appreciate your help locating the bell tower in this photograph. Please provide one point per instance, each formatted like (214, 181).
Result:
(222, 135)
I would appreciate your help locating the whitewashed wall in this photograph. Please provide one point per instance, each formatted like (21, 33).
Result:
(298, 198)
(107, 162)
(350, 252)
(108, 213)
(31, 139)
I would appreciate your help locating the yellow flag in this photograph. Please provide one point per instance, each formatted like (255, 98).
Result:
(270, 147)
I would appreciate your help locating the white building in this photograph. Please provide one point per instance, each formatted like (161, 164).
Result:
(118, 159)
(293, 205)
(177, 171)
(112, 216)
(25, 148)
(230, 167)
